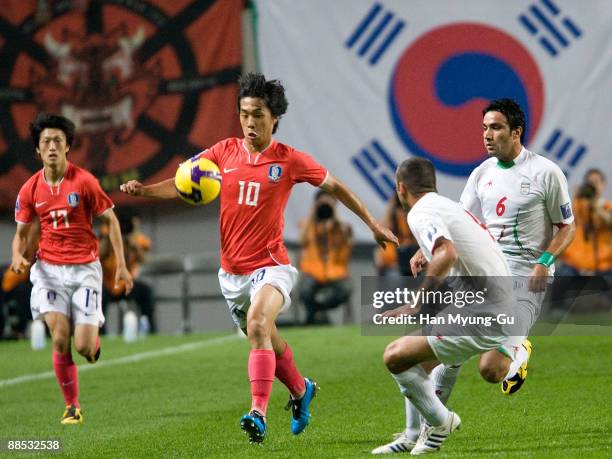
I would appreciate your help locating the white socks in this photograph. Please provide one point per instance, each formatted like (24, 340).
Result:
(413, 421)
(521, 358)
(444, 378)
(416, 385)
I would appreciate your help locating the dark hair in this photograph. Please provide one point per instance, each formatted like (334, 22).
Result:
(594, 170)
(418, 175)
(46, 120)
(511, 110)
(271, 91)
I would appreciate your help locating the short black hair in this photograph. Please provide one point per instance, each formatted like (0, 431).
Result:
(418, 175)
(511, 110)
(271, 91)
(46, 120)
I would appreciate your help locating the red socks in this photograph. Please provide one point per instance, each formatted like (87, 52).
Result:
(262, 363)
(288, 374)
(67, 377)
(263, 366)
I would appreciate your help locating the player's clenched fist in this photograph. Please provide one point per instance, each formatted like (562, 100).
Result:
(417, 262)
(133, 187)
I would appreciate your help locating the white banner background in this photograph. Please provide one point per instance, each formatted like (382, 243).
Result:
(339, 102)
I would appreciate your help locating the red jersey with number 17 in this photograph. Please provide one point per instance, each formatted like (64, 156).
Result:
(66, 212)
(254, 193)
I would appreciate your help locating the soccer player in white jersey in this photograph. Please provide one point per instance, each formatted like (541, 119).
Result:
(454, 243)
(523, 199)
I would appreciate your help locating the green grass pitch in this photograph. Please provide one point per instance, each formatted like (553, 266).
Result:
(171, 396)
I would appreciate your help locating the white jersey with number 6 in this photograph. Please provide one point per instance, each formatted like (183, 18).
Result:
(519, 202)
(435, 216)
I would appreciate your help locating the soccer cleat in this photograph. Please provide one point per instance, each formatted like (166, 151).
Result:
(72, 415)
(432, 437)
(254, 424)
(401, 444)
(300, 408)
(511, 385)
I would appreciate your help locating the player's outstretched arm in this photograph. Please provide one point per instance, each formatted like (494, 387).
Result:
(338, 189)
(114, 234)
(161, 190)
(19, 247)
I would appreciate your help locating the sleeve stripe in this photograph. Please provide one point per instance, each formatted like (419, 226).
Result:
(324, 179)
(111, 207)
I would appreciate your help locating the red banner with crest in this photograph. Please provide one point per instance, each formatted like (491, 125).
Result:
(147, 83)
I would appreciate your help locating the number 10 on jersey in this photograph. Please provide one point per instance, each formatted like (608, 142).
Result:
(251, 195)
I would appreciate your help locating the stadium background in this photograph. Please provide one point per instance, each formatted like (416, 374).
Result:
(168, 73)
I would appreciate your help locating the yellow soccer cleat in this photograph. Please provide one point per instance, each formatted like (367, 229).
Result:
(72, 415)
(513, 384)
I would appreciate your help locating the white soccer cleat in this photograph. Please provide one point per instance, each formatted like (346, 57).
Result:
(401, 444)
(431, 437)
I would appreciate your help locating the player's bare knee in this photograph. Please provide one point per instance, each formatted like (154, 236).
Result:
(492, 373)
(84, 349)
(393, 359)
(60, 344)
(60, 341)
(258, 328)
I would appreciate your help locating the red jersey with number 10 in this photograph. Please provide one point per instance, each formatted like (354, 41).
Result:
(254, 193)
(66, 213)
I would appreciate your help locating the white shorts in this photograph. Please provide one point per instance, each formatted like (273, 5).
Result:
(239, 290)
(453, 350)
(531, 304)
(73, 290)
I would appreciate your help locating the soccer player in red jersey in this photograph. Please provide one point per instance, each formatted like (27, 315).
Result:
(256, 276)
(67, 275)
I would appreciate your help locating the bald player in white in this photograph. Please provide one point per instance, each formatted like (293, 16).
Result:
(454, 243)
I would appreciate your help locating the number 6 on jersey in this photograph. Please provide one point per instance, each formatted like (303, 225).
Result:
(501, 208)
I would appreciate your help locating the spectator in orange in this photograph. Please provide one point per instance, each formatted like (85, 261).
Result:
(591, 251)
(136, 245)
(393, 259)
(326, 245)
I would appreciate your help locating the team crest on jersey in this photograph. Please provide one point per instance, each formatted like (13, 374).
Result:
(275, 172)
(73, 199)
(525, 188)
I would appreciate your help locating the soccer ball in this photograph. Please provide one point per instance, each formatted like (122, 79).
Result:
(198, 181)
